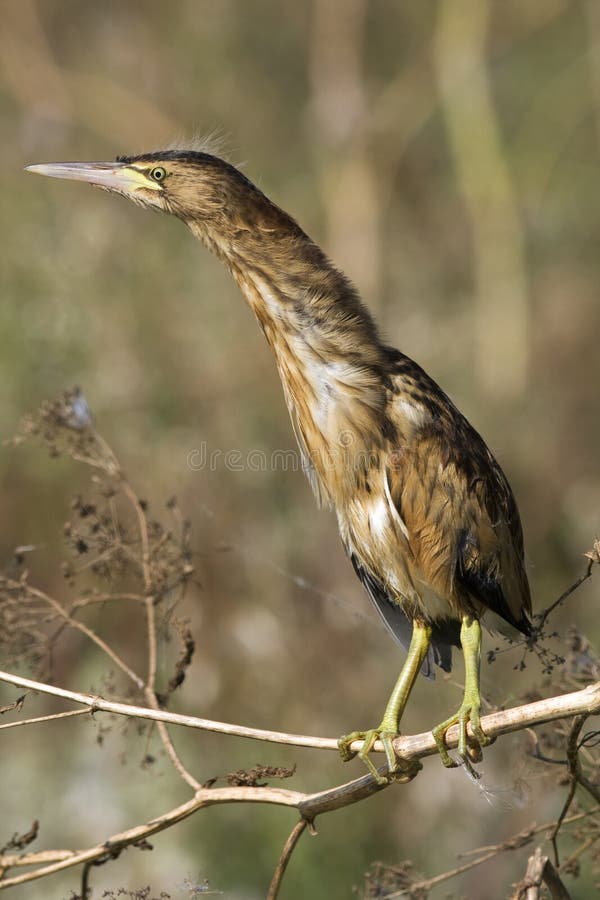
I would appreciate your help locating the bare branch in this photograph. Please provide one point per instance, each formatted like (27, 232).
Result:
(82, 602)
(78, 626)
(309, 806)
(117, 842)
(574, 773)
(12, 860)
(98, 704)
(284, 859)
(63, 715)
(543, 616)
(540, 871)
(426, 885)
(583, 702)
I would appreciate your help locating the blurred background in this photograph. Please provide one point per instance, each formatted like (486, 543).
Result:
(446, 155)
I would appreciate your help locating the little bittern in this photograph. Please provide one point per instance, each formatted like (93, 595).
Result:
(425, 512)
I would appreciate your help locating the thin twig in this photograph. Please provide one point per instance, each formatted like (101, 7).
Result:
(430, 883)
(541, 620)
(583, 848)
(13, 860)
(152, 648)
(149, 601)
(525, 837)
(143, 529)
(152, 699)
(63, 715)
(168, 743)
(82, 602)
(284, 859)
(100, 704)
(574, 773)
(85, 881)
(84, 629)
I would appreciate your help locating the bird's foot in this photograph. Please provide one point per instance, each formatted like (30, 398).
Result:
(469, 746)
(400, 771)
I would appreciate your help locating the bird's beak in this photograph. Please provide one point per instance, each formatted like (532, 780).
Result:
(113, 176)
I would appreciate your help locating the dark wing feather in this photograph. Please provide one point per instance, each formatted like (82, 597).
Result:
(400, 626)
(462, 520)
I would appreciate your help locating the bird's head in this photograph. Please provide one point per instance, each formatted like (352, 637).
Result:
(192, 185)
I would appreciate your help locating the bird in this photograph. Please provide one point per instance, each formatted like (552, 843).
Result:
(425, 513)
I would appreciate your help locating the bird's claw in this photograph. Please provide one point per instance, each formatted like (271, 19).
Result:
(469, 746)
(399, 770)
(344, 744)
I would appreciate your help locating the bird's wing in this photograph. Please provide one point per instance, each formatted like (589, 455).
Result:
(463, 527)
(398, 623)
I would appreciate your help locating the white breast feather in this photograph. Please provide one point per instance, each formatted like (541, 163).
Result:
(393, 508)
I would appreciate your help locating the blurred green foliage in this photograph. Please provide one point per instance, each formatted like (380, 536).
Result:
(446, 156)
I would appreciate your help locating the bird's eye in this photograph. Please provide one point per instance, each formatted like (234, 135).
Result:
(158, 173)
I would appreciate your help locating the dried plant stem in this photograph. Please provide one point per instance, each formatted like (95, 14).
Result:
(152, 647)
(574, 768)
(82, 602)
(580, 703)
(308, 805)
(149, 605)
(430, 883)
(174, 757)
(583, 702)
(565, 595)
(84, 629)
(540, 871)
(286, 853)
(579, 852)
(63, 715)
(525, 837)
(143, 529)
(167, 743)
(110, 847)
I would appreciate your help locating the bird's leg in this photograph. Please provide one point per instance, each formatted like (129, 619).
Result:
(417, 651)
(469, 711)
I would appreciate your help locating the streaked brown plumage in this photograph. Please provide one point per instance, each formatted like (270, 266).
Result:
(424, 511)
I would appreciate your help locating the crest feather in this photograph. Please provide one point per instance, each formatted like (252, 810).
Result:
(213, 142)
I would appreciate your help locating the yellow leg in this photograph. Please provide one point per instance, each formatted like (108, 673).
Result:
(469, 711)
(389, 727)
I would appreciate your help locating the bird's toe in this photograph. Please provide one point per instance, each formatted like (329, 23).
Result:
(345, 742)
(469, 745)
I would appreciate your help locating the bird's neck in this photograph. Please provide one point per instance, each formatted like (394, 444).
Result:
(326, 347)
